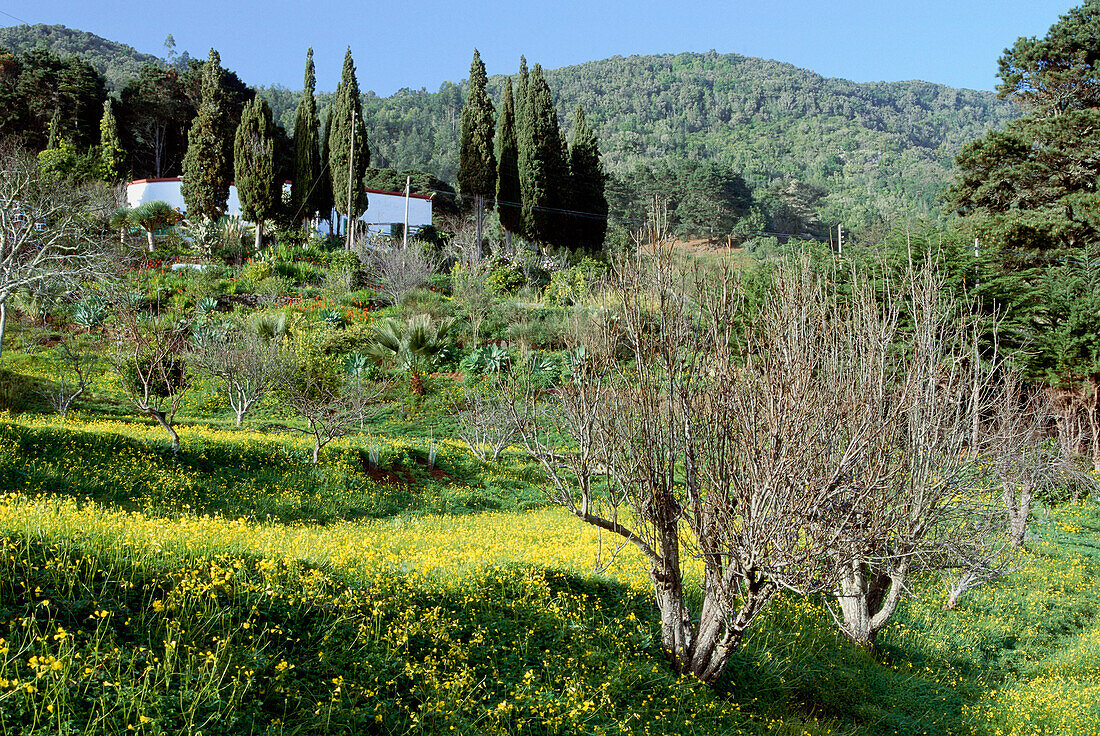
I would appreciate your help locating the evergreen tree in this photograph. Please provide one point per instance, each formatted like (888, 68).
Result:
(254, 165)
(508, 193)
(543, 171)
(323, 192)
(307, 162)
(347, 122)
(207, 170)
(587, 185)
(111, 155)
(477, 166)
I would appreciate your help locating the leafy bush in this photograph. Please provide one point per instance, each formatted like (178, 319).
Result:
(505, 278)
(255, 272)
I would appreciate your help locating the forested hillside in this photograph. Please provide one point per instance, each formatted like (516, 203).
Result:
(866, 153)
(875, 147)
(117, 62)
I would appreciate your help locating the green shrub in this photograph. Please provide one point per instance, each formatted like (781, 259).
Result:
(505, 278)
(256, 271)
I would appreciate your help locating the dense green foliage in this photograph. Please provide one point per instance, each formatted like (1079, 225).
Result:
(477, 164)
(304, 197)
(116, 62)
(586, 181)
(208, 164)
(259, 190)
(347, 159)
(508, 193)
(543, 165)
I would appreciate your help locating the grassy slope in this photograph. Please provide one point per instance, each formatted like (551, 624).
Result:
(493, 622)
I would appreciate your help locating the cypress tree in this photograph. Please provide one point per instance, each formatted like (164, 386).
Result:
(207, 170)
(323, 192)
(508, 191)
(111, 154)
(587, 181)
(304, 188)
(477, 165)
(254, 165)
(347, 110)
(543, 170)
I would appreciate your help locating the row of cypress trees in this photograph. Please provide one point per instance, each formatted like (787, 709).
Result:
(323, 167)
(544, 189)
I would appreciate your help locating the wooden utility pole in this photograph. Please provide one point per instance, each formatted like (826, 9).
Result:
(349, 229)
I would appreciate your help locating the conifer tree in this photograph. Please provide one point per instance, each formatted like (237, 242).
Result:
(307, 162)
(111, 153)
(508, 194)
(347, 122)
(207, 165)
(543, 165)
(323, 191)
(587, 186)
(254, 165)
(477, 166)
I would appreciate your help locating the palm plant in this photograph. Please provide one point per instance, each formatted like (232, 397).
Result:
(415, 346)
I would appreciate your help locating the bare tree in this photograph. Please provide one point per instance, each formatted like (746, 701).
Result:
(742, 440)
(485, 424)
(150, 360)
(328, 402)
(397, 270)
(75, 371)
(472, 293)
(50, 229)
(246, 365)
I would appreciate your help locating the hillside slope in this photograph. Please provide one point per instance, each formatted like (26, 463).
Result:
(117, 62)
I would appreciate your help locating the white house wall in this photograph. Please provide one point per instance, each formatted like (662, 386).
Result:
(384, 209)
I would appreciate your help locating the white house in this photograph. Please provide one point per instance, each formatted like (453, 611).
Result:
(384, 209)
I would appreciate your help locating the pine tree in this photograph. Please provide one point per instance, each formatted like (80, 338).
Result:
(543, 171)
(507, 153)
(111, 154)
(207, 169)
(325, 202)
(307, 162)
(587, 180)
(347, 121)
(254, 165)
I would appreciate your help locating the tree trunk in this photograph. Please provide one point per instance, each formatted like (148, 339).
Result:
(259, 236)
(1094, 424)
(149, 237)
(3, 324)
(1018, 510)
(867, 599)
(316, 450)
(162, 420)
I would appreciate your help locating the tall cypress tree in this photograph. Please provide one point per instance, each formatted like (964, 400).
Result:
(587, 181)
(508, 193)
(347, 121)
(543, 166)
(477, 165)
(325, 202)
(254, 165)
(111, 153)
(207, 170)
(307, 162)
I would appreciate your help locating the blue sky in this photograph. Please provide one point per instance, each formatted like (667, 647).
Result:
(425, 42)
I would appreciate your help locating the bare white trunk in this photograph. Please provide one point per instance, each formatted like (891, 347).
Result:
(1018, 510)
(3, 324)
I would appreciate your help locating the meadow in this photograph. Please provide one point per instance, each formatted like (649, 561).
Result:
(238, 589)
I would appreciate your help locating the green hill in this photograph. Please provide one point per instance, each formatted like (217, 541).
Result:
(117, 62)
(881, 151)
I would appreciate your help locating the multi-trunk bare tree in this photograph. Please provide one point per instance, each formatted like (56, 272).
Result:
(803, 441)
(246, 364)
(150, 358)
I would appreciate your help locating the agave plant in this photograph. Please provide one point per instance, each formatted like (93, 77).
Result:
(206, 305)
(89, 313)
(414, 346)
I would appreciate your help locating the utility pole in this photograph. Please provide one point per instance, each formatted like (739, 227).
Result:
(405, 232)
(349, 230)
